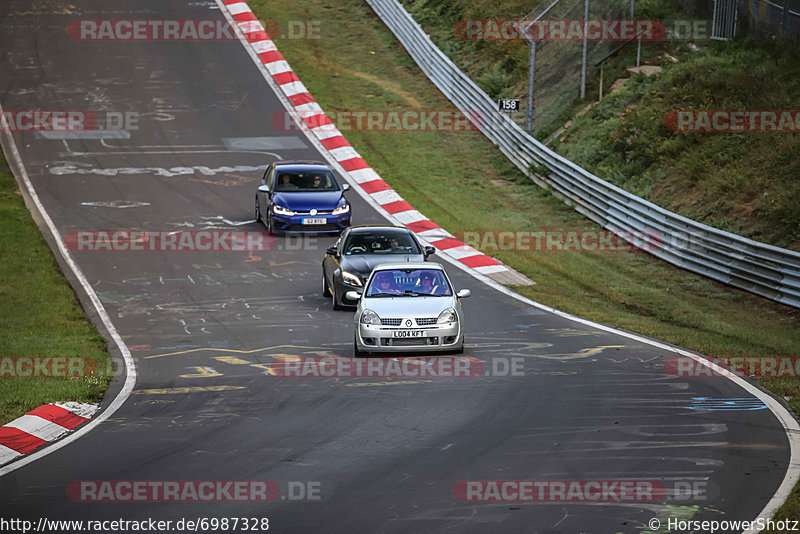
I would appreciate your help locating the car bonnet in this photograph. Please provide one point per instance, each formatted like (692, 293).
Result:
(364, 263)
(306, 201)
(387, 307)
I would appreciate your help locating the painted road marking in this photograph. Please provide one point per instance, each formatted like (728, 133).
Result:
(712, 404)
(236, 351)
(233, 360)
(237, 144)
(120, 204)
(195, 389)
(571, 332)
(398, 383)
(89, 134)
(572, 356)
(202, 372)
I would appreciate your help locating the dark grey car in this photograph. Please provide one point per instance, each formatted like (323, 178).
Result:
(348, 263)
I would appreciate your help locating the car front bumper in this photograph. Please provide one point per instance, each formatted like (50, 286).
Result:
(342, 288)
(376, 338)
(294, 223)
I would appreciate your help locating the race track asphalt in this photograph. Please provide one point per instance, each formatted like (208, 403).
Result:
(204, 327)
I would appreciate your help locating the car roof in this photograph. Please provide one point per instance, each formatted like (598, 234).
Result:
(302, 164)
(366, 228)
(412, 265)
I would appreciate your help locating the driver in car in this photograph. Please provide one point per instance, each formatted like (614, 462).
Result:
(286, 183)
(426, 285)
(394, 246)
(386, 285)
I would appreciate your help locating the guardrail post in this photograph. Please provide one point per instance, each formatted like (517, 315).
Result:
(531, 69)
(585, 47)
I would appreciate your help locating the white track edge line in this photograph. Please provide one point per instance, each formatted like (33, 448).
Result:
(784, 417)
(130, 375)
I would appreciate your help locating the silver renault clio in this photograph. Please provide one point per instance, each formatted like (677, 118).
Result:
(408, 307)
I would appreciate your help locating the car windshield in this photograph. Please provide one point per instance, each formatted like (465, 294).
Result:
(305, 181)
(409, 283)
(380, 242)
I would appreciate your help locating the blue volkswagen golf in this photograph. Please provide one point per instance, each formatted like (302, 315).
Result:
(302, 197)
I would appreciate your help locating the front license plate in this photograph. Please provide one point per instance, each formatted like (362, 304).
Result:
(408, 333)
(314, 221)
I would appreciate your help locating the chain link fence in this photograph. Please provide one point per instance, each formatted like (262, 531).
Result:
(558, 63)
(763, 269)
(780, 18)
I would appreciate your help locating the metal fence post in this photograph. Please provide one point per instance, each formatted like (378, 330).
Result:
(531, 69)
(760, 268)
(585, 47)
(639, 43)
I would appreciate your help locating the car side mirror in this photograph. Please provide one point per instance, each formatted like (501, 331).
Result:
(263, 189)
(429, 250)
(352, 295)
(346, 187)
(464, 293)
(332, 251)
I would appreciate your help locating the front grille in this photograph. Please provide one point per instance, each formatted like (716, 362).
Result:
(391, 322)
(409, 341)
(309, 228)
(425, 321)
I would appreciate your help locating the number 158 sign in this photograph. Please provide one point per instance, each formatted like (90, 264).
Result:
(508, 105)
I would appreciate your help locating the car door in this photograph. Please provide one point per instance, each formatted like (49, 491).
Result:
(271, 184)
(330, 263)
(263, 199)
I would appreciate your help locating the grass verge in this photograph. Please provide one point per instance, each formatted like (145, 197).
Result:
(461, 181)
(39, 315)
(745, 183)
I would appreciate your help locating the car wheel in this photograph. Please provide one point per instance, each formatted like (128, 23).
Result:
(335, 299)
(324, 284)
(358, 352)
(269, 226)
(258, 212)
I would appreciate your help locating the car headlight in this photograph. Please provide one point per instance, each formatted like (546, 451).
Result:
(350, 278)
(341, 209)
(280, 210)
(370, 317)
(447, 316)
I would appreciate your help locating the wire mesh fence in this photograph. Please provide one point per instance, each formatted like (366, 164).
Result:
(558, 62)
(780, 18)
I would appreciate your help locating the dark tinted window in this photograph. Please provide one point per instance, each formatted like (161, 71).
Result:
(305, 181)
(399, 282)
(380, 242)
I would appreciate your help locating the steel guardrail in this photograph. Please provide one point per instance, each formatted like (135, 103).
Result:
(759, 268)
